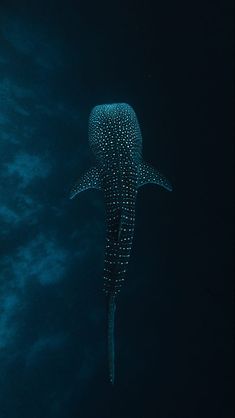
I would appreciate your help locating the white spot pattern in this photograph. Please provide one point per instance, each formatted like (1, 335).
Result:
(116, 141)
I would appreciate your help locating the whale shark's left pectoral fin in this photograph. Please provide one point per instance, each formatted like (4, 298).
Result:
(148, 174)
(89, 180)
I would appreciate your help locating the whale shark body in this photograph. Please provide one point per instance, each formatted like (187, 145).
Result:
(116, 142)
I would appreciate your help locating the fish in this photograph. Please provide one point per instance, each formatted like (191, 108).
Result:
(115, 140)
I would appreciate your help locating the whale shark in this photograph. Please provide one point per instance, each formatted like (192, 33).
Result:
(115, 139)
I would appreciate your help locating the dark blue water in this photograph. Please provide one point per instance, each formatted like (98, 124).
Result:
(171, 61)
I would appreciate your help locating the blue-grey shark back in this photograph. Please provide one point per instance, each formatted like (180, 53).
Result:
(116, 141)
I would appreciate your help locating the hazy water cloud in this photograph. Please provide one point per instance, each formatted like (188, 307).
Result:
(32, 40)
(43, 248)
(13, 100)
(17, 211)
(43, 345)
(18, 205)
(41, 259)
(9, 304)
(8, 215)
(28, 167)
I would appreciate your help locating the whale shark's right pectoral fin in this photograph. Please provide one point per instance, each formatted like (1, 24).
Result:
(89, 180)
(148, 174)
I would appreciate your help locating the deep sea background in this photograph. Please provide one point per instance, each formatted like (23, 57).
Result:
(172, 61)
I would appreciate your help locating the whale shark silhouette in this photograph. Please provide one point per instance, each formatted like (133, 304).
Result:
(116, 142)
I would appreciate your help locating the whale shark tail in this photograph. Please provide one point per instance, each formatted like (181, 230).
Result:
(111, 347)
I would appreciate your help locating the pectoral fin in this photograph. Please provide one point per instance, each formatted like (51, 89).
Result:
(89, 180)
(148, 174)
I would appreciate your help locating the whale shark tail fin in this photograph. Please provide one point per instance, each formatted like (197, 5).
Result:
(111, 347)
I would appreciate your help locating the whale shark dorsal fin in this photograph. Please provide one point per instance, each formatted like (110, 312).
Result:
(89, 180)
(148, 175)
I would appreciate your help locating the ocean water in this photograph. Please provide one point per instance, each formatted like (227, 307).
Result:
(172, 62)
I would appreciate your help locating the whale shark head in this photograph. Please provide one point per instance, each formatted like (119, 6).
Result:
(114, 128)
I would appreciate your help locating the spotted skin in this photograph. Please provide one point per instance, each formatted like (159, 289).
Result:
(116, 141)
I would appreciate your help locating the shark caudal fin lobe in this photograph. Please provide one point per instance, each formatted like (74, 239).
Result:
(89, 180)
(111, 348)
(149, 175)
